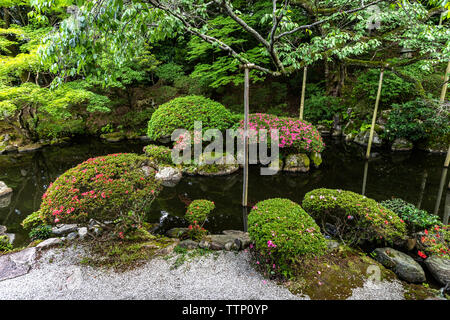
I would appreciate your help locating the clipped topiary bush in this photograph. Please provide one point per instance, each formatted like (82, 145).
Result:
(355, 217)
(196, 215)
(180, 113)
(102, 188)
(293, 133)
(416, 219)
(41, 232)
(161, 154)
(282, 231)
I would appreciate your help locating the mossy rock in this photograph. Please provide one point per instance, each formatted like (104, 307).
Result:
(223, 164)
(297, 163)
(335, 275)
(113, 137)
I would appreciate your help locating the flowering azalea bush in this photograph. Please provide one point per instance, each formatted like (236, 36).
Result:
(293, 133)
(281, 232)
(180, 113)
(102, 188)
(436, 241)
(355, 217)
(196, 215)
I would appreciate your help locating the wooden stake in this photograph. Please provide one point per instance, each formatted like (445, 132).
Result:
(440, 191)
(374, 117)
(444, 87)
(366, 168)
(302, 99)
(246, 111)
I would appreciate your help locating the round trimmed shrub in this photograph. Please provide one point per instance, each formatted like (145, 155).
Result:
(102, 188)
(356, 217)
(293, 133)
(282, 232)
(196, 215)
(180, 113)
(161, 154)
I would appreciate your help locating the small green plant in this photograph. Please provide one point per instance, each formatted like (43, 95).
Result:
(415, 218)
(40, 232)
(109, 128)
(196, 215)
(282, 232)
(5, 246)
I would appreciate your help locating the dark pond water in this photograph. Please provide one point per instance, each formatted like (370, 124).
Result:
(414, 176)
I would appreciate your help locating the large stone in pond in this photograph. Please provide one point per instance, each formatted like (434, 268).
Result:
(363, 138)
(439, 268)
(4, 189)
(113, 137)
(217, 164)
(401, 144)
(30, 147)
(296, 163)
(402, 264)
(169, 176)
(5, 200)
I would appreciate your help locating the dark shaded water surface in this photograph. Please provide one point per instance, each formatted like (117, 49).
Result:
(415, 177)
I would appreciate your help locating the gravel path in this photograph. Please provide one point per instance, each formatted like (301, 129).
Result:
(225, 276)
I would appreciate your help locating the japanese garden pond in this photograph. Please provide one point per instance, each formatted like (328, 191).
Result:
(414, 176)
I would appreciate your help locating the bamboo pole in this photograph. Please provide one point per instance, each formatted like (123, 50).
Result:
(366, 168)
(445, 85)
(246, 112)
(374, 117)
(440, 191)
(302, 99)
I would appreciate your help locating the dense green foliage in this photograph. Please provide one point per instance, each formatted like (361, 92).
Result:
(103, 188)
(282, 232)
(41, 232)
(415, 218)
(181, 113)
(355, 217)
(418, 119)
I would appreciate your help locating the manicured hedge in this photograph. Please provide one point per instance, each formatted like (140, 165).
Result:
(196, 214)
(180, 113)
(282, 232)
(356, 217)
(102, 188)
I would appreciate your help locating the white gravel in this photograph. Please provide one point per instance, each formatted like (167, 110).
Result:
(225, 276)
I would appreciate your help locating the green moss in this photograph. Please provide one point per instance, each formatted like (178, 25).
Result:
(316, 158)
(126, 254)
(333, 276)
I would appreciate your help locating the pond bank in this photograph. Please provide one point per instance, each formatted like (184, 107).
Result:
(57, 274)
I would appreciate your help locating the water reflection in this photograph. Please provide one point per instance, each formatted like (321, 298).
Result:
(416, 177)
